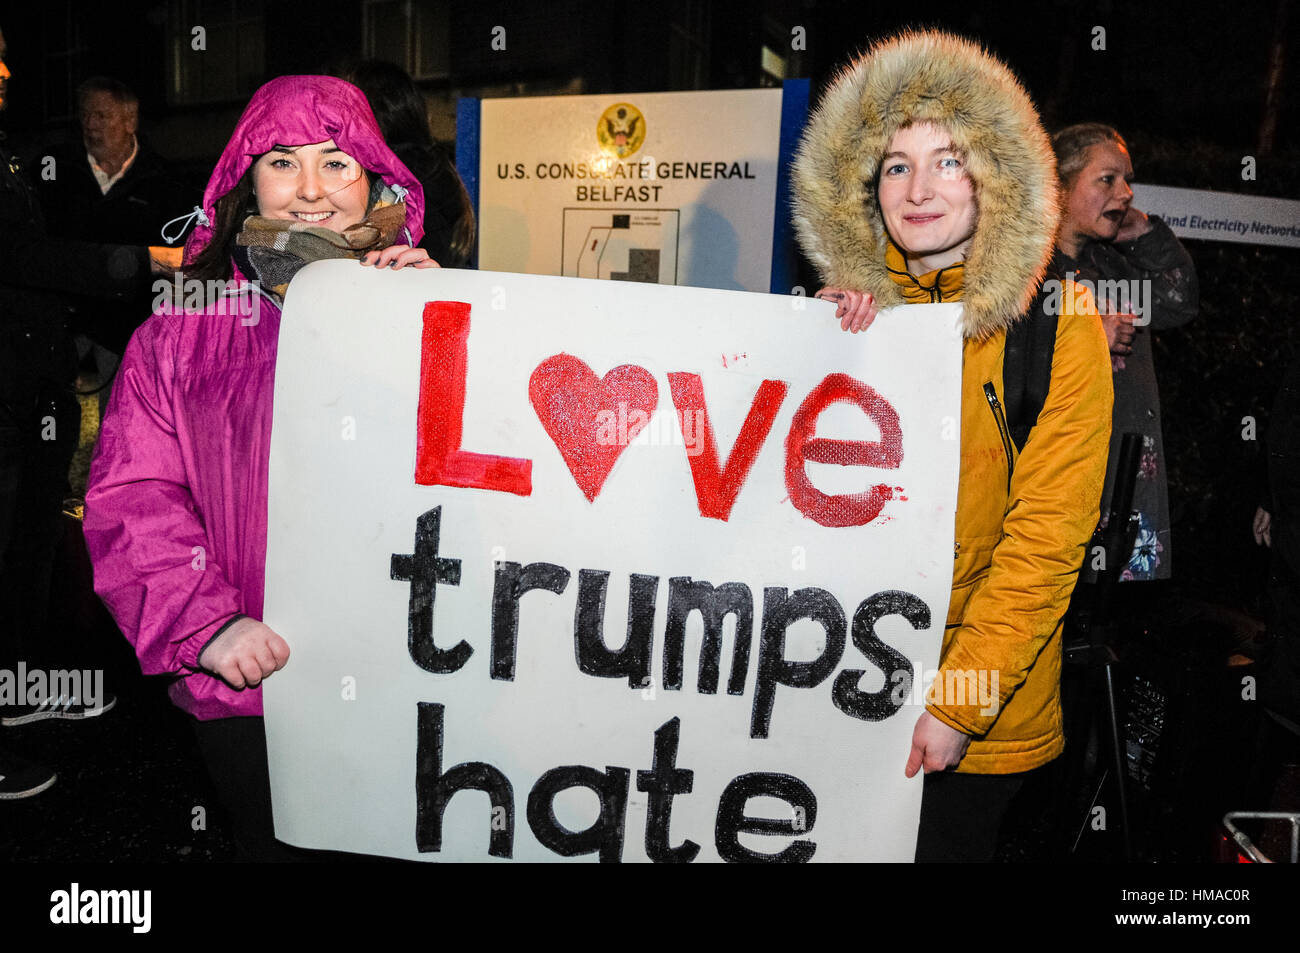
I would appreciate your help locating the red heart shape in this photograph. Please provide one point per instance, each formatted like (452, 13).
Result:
(571, 401)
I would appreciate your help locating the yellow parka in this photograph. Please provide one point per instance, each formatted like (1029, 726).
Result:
(1023, 519)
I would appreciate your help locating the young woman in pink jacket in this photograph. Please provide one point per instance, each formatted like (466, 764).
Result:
(176, 510)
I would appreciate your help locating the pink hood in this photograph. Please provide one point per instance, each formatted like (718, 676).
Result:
(297, 111)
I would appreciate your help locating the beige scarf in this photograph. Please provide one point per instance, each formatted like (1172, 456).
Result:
(273, 250)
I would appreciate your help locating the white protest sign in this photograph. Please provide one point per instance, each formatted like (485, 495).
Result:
(1222, 216)
(671, 188)
(488, 532)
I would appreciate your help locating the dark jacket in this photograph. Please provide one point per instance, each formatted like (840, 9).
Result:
(132, 212)
(37, 273)
(1160, 258)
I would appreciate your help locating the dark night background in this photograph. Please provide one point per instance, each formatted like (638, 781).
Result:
(1185, 84)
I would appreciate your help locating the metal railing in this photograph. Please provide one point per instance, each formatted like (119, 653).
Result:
(1244, 842)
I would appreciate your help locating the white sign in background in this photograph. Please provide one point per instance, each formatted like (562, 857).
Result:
(1222, 216)
(342, 715)
(536, 215)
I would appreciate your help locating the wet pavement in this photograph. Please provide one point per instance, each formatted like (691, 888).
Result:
(129, 783)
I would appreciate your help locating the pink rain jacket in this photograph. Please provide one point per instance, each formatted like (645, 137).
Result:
(176, 506)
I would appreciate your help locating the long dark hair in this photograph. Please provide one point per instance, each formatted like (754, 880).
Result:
(397, 104)
(399, 109)
(213, 263)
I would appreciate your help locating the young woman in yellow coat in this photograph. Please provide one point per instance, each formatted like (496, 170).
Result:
(925, 176)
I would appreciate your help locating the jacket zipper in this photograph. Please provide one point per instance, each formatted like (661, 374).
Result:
(996, 406)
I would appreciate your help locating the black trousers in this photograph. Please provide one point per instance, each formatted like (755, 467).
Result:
(36, 447)
(961, 815)
(234, 751)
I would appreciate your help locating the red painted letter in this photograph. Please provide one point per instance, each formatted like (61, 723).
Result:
(439, 460)
(850, 509)
(716, 488)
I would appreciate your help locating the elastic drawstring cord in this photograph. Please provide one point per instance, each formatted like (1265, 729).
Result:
(240, 290)
(401, 194)
(185, 220)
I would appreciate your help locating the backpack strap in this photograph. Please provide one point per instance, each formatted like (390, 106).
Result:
(1027, 362)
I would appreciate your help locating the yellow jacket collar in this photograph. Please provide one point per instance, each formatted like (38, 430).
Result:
(939, 286)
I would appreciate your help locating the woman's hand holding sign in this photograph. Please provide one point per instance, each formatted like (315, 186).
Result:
(935, 746)
(856, 311)
(398, 256)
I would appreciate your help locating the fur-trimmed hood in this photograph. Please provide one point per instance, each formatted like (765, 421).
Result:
(954, 83)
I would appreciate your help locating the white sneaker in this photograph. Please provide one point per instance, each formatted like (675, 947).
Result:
(72, 709)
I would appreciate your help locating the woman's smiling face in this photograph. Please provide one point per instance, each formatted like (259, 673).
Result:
(927, 198)
(317, 184)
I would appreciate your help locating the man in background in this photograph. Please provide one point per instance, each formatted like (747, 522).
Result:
(39, 424)
(109, 187)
